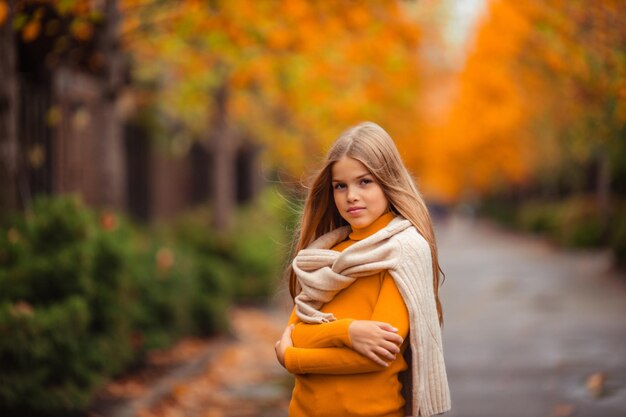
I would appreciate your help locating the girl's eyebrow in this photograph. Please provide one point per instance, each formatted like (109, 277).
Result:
(359, 177)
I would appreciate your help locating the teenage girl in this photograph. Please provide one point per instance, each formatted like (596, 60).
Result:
(364, 338)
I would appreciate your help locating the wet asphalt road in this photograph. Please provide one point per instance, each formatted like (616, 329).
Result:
(527, 324)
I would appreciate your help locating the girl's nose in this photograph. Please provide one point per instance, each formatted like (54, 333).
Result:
(352, 195)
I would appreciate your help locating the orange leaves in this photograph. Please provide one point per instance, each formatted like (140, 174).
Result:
(4, 11)
(82, 29)
(563, 410)
(296, 9)
(481, 139)
(43, 18)
(596, 384)
(241, 78)
(108, 221)
(76, 7)
(579, 64)
(21, 308)
(297, 71)
(235, 377)
(279, 38)
(164, 259)
(31, 30)
(358, 17)
(536, 88)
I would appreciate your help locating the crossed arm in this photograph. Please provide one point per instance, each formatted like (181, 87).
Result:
(347, 346)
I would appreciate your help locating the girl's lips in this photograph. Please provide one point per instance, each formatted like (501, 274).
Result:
(355, 210)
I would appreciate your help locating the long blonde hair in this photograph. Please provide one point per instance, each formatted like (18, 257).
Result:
(371, 145)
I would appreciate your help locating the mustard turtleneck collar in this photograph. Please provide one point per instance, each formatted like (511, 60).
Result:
(363, 232)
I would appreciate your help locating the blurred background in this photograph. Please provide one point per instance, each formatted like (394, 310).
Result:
(154, 156)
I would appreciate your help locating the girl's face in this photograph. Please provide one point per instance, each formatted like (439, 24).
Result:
(358, 197)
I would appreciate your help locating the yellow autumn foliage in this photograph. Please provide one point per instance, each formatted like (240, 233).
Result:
(535, 91)
(297, 72)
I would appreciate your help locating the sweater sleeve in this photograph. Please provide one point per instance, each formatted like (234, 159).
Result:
(332, 334)
(390, 308)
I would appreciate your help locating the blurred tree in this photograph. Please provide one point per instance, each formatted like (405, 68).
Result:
(539, 100)
(581, 49)
(8, 106)
(110, 146)
(481, 141)
(39, 38)
(289, 74)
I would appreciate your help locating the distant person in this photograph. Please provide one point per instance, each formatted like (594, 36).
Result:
(364, 338)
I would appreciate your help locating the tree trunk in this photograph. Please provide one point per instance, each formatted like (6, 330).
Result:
(9, 147)
(603, 187)
(110, 151)
(223, 164)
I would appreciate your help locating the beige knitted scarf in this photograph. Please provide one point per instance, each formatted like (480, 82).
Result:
(401, 250)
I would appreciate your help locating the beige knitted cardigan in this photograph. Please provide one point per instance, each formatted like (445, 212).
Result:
(401, 250)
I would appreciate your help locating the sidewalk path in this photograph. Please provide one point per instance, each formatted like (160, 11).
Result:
(243, 380)
(531, 330)
(234, 376)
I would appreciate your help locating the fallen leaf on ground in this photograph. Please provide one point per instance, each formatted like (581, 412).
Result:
(595, 384)
(562, 410)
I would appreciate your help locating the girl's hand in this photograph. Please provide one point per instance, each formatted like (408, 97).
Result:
(375, 340)
(282, 345)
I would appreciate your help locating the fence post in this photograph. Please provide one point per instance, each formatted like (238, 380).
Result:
(9, 149)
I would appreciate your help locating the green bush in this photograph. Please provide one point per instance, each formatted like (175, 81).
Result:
(500, 211)
(572, 222)
(247, 262)
(61, 309)
(575, 222)
(538, 217)
(260, 243)
(84, 294)
(45, 367)
(580, 223)
(213, 295)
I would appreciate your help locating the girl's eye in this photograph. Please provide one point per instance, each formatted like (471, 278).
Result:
(365, 181)
(339, 186)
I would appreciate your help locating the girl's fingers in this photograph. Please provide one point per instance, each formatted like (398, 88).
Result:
(287, 331)
(393, 338)
(389, 332)
(384, 354)
(390, 347)
(286, 338)
(376, 340)
(385, 326)
(373, 356)
(281, 346)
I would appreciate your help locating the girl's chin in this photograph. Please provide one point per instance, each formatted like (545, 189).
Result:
(359, 222)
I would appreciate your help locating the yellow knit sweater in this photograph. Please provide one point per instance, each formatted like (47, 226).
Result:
(331, 378)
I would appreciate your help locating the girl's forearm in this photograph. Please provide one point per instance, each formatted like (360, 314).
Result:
(334, 361)
(325, 335)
